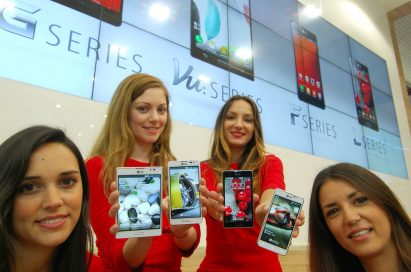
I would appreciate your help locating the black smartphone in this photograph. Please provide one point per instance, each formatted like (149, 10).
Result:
(363, 95)
(307, 66)
(221, 35)
(238, 198)
(109, 11)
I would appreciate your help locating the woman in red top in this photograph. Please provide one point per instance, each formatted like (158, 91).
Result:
(238, 144)
(136, 133)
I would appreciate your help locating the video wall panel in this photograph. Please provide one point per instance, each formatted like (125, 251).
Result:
(318, 90)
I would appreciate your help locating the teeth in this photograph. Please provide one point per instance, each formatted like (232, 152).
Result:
(51, 221)
(363, 232)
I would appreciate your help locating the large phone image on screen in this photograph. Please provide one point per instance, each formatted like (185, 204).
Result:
(212, 42)
(307, 66)
(109, 11)
(363, 95)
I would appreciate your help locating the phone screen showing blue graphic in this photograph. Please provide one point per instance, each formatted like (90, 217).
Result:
(221, 34)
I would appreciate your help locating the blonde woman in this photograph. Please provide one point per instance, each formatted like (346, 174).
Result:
(136, 134)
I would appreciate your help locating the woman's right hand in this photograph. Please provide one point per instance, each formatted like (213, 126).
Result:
(212, 200)
(135, 249)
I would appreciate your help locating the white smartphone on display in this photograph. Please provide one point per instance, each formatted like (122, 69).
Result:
(183, 183)
(279, 223)
(140, 201)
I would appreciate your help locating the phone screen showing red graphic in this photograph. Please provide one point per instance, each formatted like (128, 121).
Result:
(363, 95)
(238, 195)
(114, 5)
(109, 11)
(307, 66)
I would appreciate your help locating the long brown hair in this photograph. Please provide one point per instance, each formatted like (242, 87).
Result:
(116, 140)
(325, 252)
(15, 154)
(254, 153)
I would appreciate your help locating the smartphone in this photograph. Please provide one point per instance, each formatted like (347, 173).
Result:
(109, 11)
(183, 182)
(238, 198)
(221, 35)
(140, 201)
(363, 95)
(279, 223)
(307, 66)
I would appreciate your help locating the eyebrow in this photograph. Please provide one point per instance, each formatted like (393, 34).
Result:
(65, 173)
(147, 103)
(349, 196)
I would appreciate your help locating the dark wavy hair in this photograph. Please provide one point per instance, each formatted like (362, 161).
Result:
(15, 154)
(325, 253)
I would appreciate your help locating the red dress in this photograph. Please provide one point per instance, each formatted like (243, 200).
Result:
(236, 249)
(164, 255)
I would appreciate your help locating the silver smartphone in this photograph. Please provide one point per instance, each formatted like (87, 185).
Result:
(140, 201)
(183, 182)
(279, 223)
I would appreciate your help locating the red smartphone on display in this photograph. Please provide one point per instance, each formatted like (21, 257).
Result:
(307, 66)
(238, 198)
(109, 11)
(363, 95)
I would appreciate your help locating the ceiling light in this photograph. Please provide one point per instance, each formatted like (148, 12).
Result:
(312, 11)
(159, 12)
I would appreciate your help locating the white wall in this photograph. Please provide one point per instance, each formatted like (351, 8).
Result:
(24, 105)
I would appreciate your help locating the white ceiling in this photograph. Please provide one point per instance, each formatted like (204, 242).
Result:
(391, 4)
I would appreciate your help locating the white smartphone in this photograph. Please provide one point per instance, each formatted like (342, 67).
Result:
(279, 223)
(183, 182)
(140, 201)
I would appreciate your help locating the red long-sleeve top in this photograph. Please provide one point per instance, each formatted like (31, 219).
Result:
(164, 255)
(236, 249)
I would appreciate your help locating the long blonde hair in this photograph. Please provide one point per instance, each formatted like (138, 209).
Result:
(116, 140)
(254, 154)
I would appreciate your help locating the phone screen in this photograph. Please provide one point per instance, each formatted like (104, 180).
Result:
(238, 198)
(184, 194)
(363, 96)
(109, 11)
(221, 34)
(307, 66)
(280, 222)
(140, 202)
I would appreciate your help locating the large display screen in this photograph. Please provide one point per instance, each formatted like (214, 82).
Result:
(208, 51)
(221, 34)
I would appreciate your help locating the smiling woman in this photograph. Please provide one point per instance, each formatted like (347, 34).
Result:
(136, 133)
(356, 223)
(44, 204)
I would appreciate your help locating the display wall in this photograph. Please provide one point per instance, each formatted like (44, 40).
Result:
(23, 104)
(318, 90)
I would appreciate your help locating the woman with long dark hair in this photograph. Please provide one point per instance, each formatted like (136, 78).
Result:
(44, 223)
(238, 145)
(356, 223)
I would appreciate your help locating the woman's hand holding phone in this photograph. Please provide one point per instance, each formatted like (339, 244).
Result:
(298, 223)
(212, 200)
(115, 206)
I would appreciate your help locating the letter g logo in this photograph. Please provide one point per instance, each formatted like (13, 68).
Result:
(15, 17)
